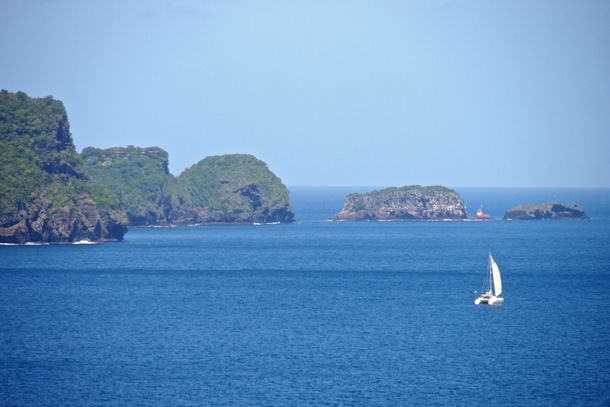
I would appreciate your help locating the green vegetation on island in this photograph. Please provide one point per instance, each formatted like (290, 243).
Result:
(233, 188)
(50, 193)
(236, 188)
(45, 194)
(141, 179)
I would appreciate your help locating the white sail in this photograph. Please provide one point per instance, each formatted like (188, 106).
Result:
(495, 270)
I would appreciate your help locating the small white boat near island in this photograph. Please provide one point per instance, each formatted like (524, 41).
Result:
(492, 285)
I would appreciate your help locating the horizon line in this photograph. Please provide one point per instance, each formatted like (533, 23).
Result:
(469, 186)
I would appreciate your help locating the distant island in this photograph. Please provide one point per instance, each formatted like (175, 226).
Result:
(412, 202)
(50, 193)
(549, 210)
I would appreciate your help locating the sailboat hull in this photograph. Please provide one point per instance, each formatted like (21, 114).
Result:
(491, 300)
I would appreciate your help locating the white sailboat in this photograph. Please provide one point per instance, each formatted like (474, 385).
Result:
(493, 283)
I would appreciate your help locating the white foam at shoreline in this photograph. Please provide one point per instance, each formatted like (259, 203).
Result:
(84, 242)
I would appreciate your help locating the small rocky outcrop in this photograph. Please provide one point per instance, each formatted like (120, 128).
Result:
(549, 210)
(45, 194)
(407, 203)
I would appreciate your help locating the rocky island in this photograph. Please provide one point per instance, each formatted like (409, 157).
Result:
(45, 192)
(549, 210)
(50, 193)
(412, 202)
(236, 188)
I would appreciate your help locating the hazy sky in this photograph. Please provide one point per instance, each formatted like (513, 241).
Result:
(460, 93)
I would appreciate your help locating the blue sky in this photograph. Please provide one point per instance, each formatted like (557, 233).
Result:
(464, 93)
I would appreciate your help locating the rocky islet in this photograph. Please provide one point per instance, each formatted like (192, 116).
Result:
(412, 202)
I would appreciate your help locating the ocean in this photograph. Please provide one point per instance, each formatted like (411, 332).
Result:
(316, 312)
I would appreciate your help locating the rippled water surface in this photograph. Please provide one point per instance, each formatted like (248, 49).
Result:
(317, 312)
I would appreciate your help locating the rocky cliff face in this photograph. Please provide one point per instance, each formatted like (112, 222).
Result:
(45, 194)
(406, 203)
(549, 210)
(236, 188)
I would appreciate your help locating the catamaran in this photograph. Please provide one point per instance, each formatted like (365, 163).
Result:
(494, 283)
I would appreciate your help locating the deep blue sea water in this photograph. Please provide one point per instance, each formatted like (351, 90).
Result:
(317, 312)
